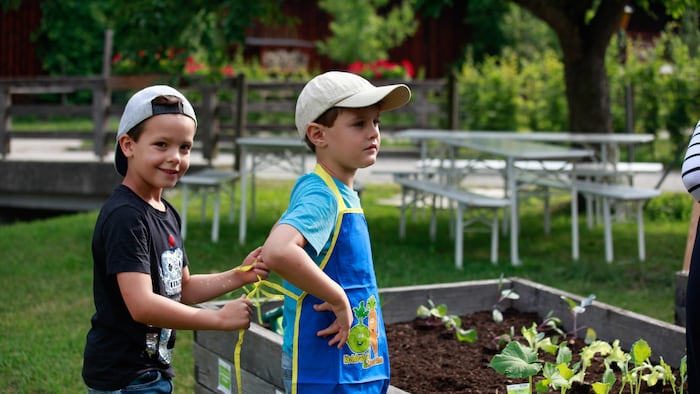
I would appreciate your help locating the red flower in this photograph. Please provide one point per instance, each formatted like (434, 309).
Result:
(382, 69)
(227, 70)
(409, 68)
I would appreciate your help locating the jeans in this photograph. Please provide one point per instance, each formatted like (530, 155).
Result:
(151, 382)
(287, 372)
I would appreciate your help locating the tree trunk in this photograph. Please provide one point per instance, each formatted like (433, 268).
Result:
(584, 29)
(587, 91)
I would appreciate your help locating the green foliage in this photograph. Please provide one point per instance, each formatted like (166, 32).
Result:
(524, 89)
(526, 34)
(146, 27)
(516, 361)
(577, 309)
(488, 36)
(519, 360)
(512, 93)
(669, 207)
(362, 33)
(438, 316)
(504, 294)
(68, 47)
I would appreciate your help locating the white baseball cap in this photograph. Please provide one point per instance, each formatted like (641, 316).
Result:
(344, 90)
(140, 107)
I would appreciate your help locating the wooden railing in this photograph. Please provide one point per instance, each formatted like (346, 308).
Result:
(225, 111)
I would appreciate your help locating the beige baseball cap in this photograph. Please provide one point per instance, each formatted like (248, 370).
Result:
(344, 90)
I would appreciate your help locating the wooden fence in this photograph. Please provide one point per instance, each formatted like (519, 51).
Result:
(225, 111)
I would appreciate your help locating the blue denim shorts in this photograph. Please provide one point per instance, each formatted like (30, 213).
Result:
(151, 382)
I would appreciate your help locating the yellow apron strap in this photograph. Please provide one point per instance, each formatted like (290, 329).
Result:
(257, 288)
(318, 170)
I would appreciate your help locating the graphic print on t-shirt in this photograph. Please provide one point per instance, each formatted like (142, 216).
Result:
(171, 268)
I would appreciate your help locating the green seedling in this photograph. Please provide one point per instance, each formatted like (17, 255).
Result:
(577, 309)
(683, 373)
(504, 294)
(549, 325)
(519, 359)
(437, 316)
(516, 361)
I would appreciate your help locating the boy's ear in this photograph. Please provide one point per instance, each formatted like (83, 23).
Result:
(315, 133)
(126, 143)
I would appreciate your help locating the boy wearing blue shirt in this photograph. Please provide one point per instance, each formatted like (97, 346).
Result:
(334, 338)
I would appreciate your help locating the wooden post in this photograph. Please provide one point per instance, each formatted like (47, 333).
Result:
(208, 121)
(5, 120)
(452, 102)
(107, 54)
(692, 229)
(240, 118)
(101, 99)
(100, 106)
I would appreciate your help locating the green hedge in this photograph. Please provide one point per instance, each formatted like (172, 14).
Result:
(513, 93)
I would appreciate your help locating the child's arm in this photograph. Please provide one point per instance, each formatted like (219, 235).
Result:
(204, 287)
(284, 254)
(150, 308)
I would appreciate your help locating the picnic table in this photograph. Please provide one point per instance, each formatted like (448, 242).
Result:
(288, 153)
(546, 159)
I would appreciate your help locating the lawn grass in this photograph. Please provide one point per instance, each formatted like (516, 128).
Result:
(46, 273)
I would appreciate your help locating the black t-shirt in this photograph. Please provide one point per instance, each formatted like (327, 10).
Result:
(131, 236)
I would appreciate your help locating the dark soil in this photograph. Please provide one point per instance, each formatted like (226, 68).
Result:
(432, 360)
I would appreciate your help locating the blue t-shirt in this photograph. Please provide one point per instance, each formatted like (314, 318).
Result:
(313, 211)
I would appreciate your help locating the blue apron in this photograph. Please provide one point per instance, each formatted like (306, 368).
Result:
(362, 365)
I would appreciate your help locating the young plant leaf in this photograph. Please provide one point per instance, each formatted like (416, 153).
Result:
(423, 312)
(596, 347)
(641, 351)
(591, 336)
(548, 346)
(617, 356)
(553, 377)
(564, 355)
(497, 315)
(600, 388)
(516, 361)
(509, 294)
(468, 336)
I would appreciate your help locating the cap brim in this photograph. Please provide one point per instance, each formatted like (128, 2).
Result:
(388, 97)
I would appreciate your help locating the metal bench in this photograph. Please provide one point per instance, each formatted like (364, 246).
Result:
(611, 193)
(464, 200)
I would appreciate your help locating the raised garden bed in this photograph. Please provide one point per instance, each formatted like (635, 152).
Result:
(261, 350)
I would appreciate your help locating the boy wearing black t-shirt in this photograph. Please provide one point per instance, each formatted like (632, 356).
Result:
(142, 284)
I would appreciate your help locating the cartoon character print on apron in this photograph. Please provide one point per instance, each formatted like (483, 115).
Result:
(362, 365)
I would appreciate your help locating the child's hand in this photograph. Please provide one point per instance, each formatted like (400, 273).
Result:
(341, 325)
(253, 268)
(236, 314)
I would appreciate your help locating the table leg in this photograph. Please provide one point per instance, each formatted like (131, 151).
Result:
(252, 188)
(640, 231)
(244, 197)
(459, 237)
(574, 224)
(183, 215)
(215, 219)
(514, 228)
(232, 203)
(607, 230)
